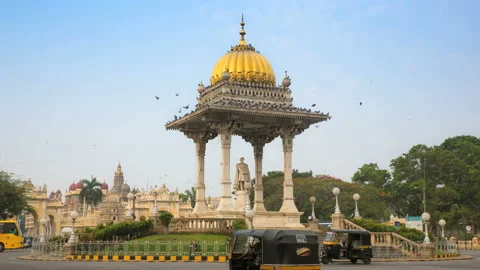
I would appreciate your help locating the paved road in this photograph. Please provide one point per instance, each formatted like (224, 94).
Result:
(9, 261)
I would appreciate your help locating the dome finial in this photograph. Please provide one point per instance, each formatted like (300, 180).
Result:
(242, 33)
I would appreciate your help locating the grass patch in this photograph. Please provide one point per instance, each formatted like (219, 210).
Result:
(184, 237)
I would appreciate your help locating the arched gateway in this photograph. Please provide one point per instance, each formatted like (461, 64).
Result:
(243, 100)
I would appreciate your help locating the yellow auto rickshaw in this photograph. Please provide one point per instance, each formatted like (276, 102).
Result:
(353, 245)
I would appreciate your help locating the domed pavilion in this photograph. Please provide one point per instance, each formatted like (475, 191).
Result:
(244, 100)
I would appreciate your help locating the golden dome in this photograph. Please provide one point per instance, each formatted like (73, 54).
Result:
(244, 64)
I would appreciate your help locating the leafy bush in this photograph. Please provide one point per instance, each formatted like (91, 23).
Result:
(165, 218)
(409, 233)
(240, 224)
(130, 229)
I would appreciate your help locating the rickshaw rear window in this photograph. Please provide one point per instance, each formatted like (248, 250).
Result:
(330, 236)
(240, 244)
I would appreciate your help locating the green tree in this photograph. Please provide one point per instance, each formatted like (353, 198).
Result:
(165, 218)
(370, 174)
(91, 192)
(191, 193)
(183, 197)
(450, 175)
(373, 204)
(12, 195)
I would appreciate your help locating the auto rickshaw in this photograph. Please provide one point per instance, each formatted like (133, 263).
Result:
(274, 249)
(353, 245)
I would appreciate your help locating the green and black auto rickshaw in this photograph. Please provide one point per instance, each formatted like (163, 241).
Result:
(353, 245)
(274, 249)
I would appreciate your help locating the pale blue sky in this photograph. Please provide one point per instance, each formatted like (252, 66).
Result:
(84, 73)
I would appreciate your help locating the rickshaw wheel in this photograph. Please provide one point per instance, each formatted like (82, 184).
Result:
(367, 260)
(354, 261)
(325, 260)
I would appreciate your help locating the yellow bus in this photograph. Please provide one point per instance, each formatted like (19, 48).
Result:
(10, 235)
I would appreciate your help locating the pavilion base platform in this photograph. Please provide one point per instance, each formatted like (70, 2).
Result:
(261, 220)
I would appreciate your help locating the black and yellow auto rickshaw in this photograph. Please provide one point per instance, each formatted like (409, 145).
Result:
(353, 245)
(274, 249)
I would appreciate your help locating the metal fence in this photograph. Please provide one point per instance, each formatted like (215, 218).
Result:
(49, 248)
(153, 248)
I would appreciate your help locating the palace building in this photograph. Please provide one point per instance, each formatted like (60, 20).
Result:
(115, 205)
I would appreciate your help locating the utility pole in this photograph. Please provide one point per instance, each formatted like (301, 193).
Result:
(424, 185)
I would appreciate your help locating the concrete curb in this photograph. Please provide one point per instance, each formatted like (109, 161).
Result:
(208, 259)
(126, 258)
(457, 258)
(44, 259)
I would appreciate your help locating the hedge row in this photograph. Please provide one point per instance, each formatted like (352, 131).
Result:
(409, 233)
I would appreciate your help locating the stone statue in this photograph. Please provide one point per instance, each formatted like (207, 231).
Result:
(241, 176)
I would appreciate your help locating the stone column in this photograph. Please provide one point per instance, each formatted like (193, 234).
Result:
(225, 130)
(201, 139)
(258, 142)
(287, 134)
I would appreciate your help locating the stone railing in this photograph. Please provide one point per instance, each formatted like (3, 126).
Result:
(406, 246)
(446, 247)
(468, 245)
(348, 225)
(201, 225)
(152, 248)
(80, 222)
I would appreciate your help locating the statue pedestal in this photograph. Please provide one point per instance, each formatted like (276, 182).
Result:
(278, 220)
(240, 202)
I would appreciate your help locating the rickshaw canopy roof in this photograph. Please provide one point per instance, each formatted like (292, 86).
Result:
(271, 235)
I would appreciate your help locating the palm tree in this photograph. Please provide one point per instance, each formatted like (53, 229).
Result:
(91, 194)
(191, 194)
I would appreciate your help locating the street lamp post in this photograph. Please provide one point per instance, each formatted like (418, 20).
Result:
(461, 226)
(312, 201)
(132, 197)
(356, 197)
(43, 221)
(426, 218)
(336, 191)
(249, 214)
(156, 191)
(442, 223)
(129, 198)
(73, 216)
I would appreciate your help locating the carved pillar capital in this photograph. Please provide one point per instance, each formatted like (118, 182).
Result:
(225, 126)
(258, 142)
(291, 131)
(200, 136)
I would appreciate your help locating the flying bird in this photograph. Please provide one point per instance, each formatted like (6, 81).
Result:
(180, 111)
(186, 107)
(313, 105)
(157, 97)
(361, 103)
(316, 126)
(176, 94)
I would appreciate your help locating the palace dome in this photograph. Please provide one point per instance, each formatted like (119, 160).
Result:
(79, 185)
(125, 188)
(72, 187)
(104, 186)
(243, 63)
